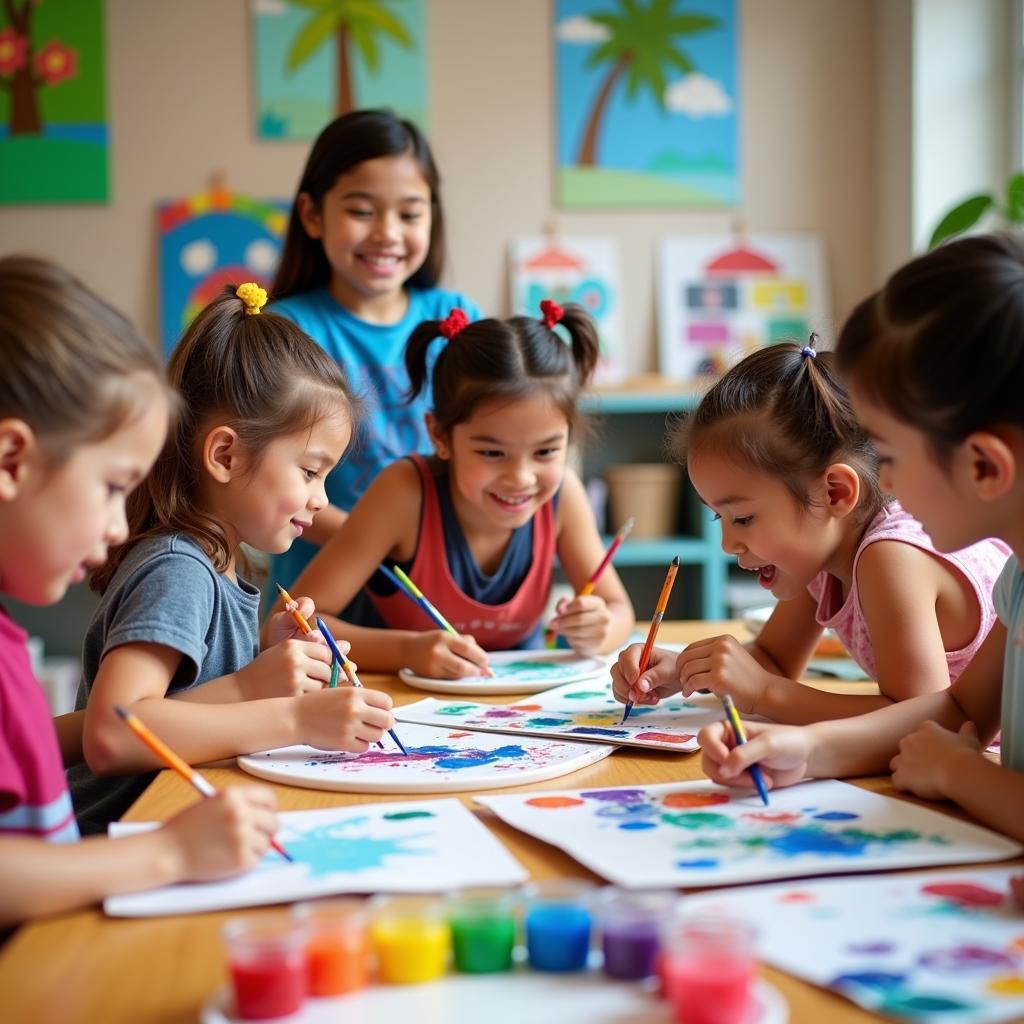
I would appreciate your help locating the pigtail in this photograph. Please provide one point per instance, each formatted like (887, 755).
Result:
(586, 346)
(416, 351)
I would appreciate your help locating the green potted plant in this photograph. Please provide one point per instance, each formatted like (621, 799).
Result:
(965, 215)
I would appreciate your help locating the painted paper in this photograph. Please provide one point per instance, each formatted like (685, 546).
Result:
(697, 833)
(929, 947)
(209, 240)
(315, 59)
(720, 298)
(53, 104)
(578, 711)
(647, 104)
(406, 846)
(439, 761)
(581, 270)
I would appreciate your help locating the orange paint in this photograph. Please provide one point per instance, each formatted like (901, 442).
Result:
(337, 962)
(797, 897)
(554, 801)
(525, 707)
(694, 799)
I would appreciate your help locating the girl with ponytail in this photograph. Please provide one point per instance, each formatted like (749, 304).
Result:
(478, 525)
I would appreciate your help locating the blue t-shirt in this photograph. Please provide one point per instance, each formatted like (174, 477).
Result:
(1008, 597)
(372, 356)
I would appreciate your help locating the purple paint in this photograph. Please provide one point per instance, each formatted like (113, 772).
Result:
(630, 948)
(501, 713)
(616, 796)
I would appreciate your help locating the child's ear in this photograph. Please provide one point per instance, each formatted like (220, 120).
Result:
(17, 442)
(438, 438)
(992, 464)
(222, 454)
(842, 489)
(309, 215)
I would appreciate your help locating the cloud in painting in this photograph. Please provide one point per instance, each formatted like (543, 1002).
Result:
(580, 29)
(698, 96)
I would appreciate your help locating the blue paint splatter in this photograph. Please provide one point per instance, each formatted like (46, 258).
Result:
(477, 758)
(810, 839)
(593, 730)
(637, 826)
(836, 816)
(545, 723)
(699, 862)
(330, 849)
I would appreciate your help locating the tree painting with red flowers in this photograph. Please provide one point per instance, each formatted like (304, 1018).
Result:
(53, 106)
(24, 70)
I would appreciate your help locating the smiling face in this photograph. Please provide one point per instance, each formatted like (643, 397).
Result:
(771, 533)
(374, 223)
(507, 460)
(58, 521)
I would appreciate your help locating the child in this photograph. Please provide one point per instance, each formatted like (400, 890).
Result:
(83, 413)
(266, 415)
(775, 451)
(936, 364)
(477, 527)
(361, 261)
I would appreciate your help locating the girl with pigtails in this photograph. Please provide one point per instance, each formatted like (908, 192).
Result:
(477, 525)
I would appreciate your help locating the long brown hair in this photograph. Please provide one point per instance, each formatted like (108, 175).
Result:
(783, 411)
(347, 141)
(265, 377)
(71, 362)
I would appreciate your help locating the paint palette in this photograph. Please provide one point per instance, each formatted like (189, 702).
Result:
(580, 711)
(404, 846)
(516, 672)
(697, 833)
(943, 946)
(439, 761)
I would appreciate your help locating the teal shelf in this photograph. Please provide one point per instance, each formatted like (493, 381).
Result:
(638, 402)
(661, 551)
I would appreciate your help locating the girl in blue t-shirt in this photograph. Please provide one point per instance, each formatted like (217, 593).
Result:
(361, 262)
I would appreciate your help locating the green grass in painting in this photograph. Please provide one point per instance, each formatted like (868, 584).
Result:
(34, 169)
(599, 186)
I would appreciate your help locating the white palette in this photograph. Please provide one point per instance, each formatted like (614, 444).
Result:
(406, 846)
(584, 711)
(696, 833)
(439, 761)
(935, 946)
(516, 672)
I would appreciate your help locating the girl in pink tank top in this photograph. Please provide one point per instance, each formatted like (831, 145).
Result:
(478, 526)
(775, 451)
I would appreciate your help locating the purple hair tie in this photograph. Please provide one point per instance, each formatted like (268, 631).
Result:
(808, 352)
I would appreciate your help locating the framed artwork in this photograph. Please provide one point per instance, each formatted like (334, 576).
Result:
(647, 103)
(719, 298)
(313, 60)
(53, 102)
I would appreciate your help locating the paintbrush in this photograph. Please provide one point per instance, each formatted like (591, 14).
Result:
(659, 614)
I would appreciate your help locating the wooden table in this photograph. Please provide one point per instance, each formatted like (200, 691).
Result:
(85, 967)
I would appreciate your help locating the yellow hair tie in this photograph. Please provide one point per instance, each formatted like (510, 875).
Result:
(253, 297)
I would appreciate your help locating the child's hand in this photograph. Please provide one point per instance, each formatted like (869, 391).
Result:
(224, 834)
(659, 678)
(722, 665)
(782, 751)
(438, 654)
(282, 626)
(287, 669)
(583, 621)
(345, 718)
(927, 756)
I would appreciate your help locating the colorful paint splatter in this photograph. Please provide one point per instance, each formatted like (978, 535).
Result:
(926, 947)
(576, 711)
(695, 833)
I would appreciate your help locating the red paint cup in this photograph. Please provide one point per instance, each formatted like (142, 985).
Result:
(267, 961)
(709, 970)
(337, 947)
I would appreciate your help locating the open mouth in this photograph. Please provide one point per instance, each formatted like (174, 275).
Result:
(510, 502)
(765, 574)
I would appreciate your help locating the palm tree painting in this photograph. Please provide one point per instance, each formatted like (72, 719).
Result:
(316, 59)
(647, 103)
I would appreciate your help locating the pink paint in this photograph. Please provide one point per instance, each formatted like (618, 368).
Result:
(965, 893)
(710, 988)
(665, 737)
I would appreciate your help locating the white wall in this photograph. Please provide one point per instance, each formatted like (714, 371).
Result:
(180, 110)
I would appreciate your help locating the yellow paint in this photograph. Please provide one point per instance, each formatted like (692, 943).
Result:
(410, 949)
(1007, 985)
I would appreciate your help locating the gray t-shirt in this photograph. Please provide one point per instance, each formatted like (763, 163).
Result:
(166, 591)
(1009, 601)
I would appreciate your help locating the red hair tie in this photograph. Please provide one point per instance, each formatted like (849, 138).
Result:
(553, 312)
(454, 322)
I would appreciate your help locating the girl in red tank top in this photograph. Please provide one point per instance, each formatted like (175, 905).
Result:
(478, 526)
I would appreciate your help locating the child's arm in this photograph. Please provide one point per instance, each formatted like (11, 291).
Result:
(213, 838)
(137, 676)
(69, 737)
(865, 744)
(601, 621)
(384, 525)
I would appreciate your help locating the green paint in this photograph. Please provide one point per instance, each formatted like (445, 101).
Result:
(699, 819)
(482, 943)
(455, 709)
(586, 695)
(406, 815)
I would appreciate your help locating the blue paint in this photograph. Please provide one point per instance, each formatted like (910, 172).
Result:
(558, 937)
(637, 826)
(836, 816)
(635, 812)
(868, 979)
(328, 850)
(699, 862)
(593, 730)
(812, 839)
(545, 723)
(477, 758)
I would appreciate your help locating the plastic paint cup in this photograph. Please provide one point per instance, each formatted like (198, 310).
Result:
(631, 926)
(483, 924)
(411, 938)
(558, 922)
(337, 945)
(710, 970)
(267, 961)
